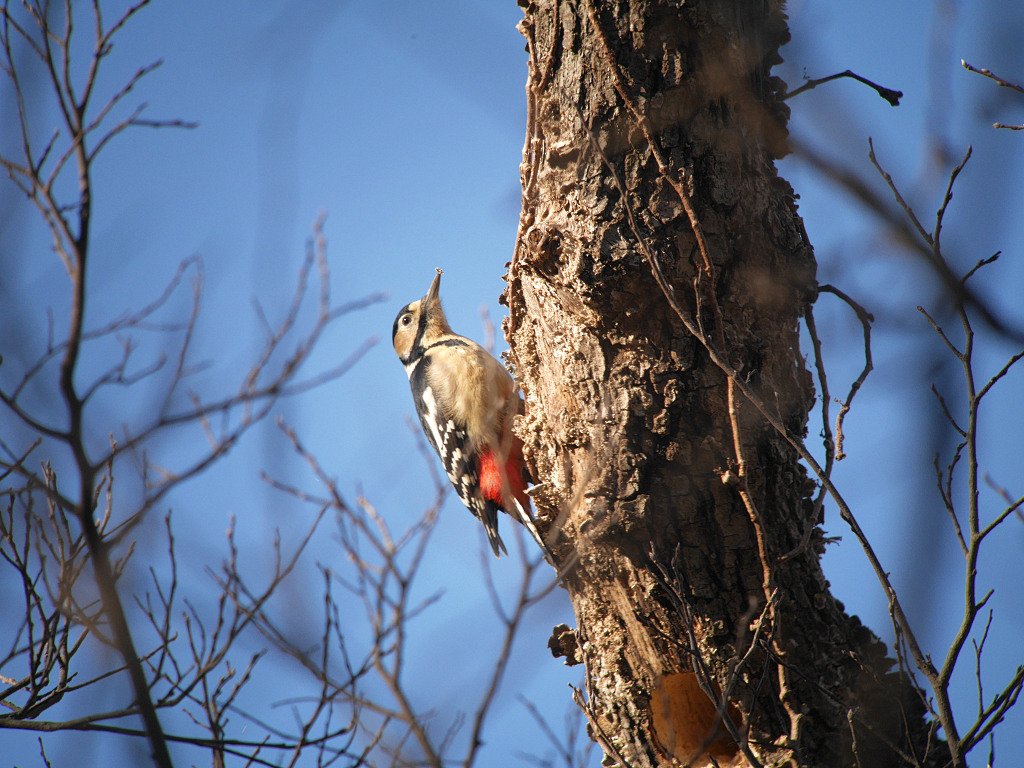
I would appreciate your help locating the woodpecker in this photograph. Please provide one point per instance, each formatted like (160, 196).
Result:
(465, 400)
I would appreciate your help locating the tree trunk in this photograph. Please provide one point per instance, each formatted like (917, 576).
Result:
(657, 250)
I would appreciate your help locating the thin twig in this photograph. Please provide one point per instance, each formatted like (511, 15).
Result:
(1002, 83)
(890, 95)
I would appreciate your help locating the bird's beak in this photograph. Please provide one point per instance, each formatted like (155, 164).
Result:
(435, 290)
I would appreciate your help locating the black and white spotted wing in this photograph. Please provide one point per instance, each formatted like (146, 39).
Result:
(451, 445)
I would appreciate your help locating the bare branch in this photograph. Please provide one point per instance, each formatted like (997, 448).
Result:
(890, 95)
(1002, 83)
(909, 234)
(998, 80)
(865, 318)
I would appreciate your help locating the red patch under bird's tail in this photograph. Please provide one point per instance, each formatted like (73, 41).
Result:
(502, 484)
(505, 485)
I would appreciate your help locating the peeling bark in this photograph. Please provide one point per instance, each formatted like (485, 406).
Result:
(675, 509)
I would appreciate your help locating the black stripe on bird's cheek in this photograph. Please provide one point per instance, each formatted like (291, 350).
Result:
(417, 343)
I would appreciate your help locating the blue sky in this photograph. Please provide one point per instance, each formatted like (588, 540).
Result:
(404, 123)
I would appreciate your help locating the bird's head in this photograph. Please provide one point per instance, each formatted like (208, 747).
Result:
(419, 324)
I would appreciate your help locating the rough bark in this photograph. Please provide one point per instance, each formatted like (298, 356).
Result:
(676, 510)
